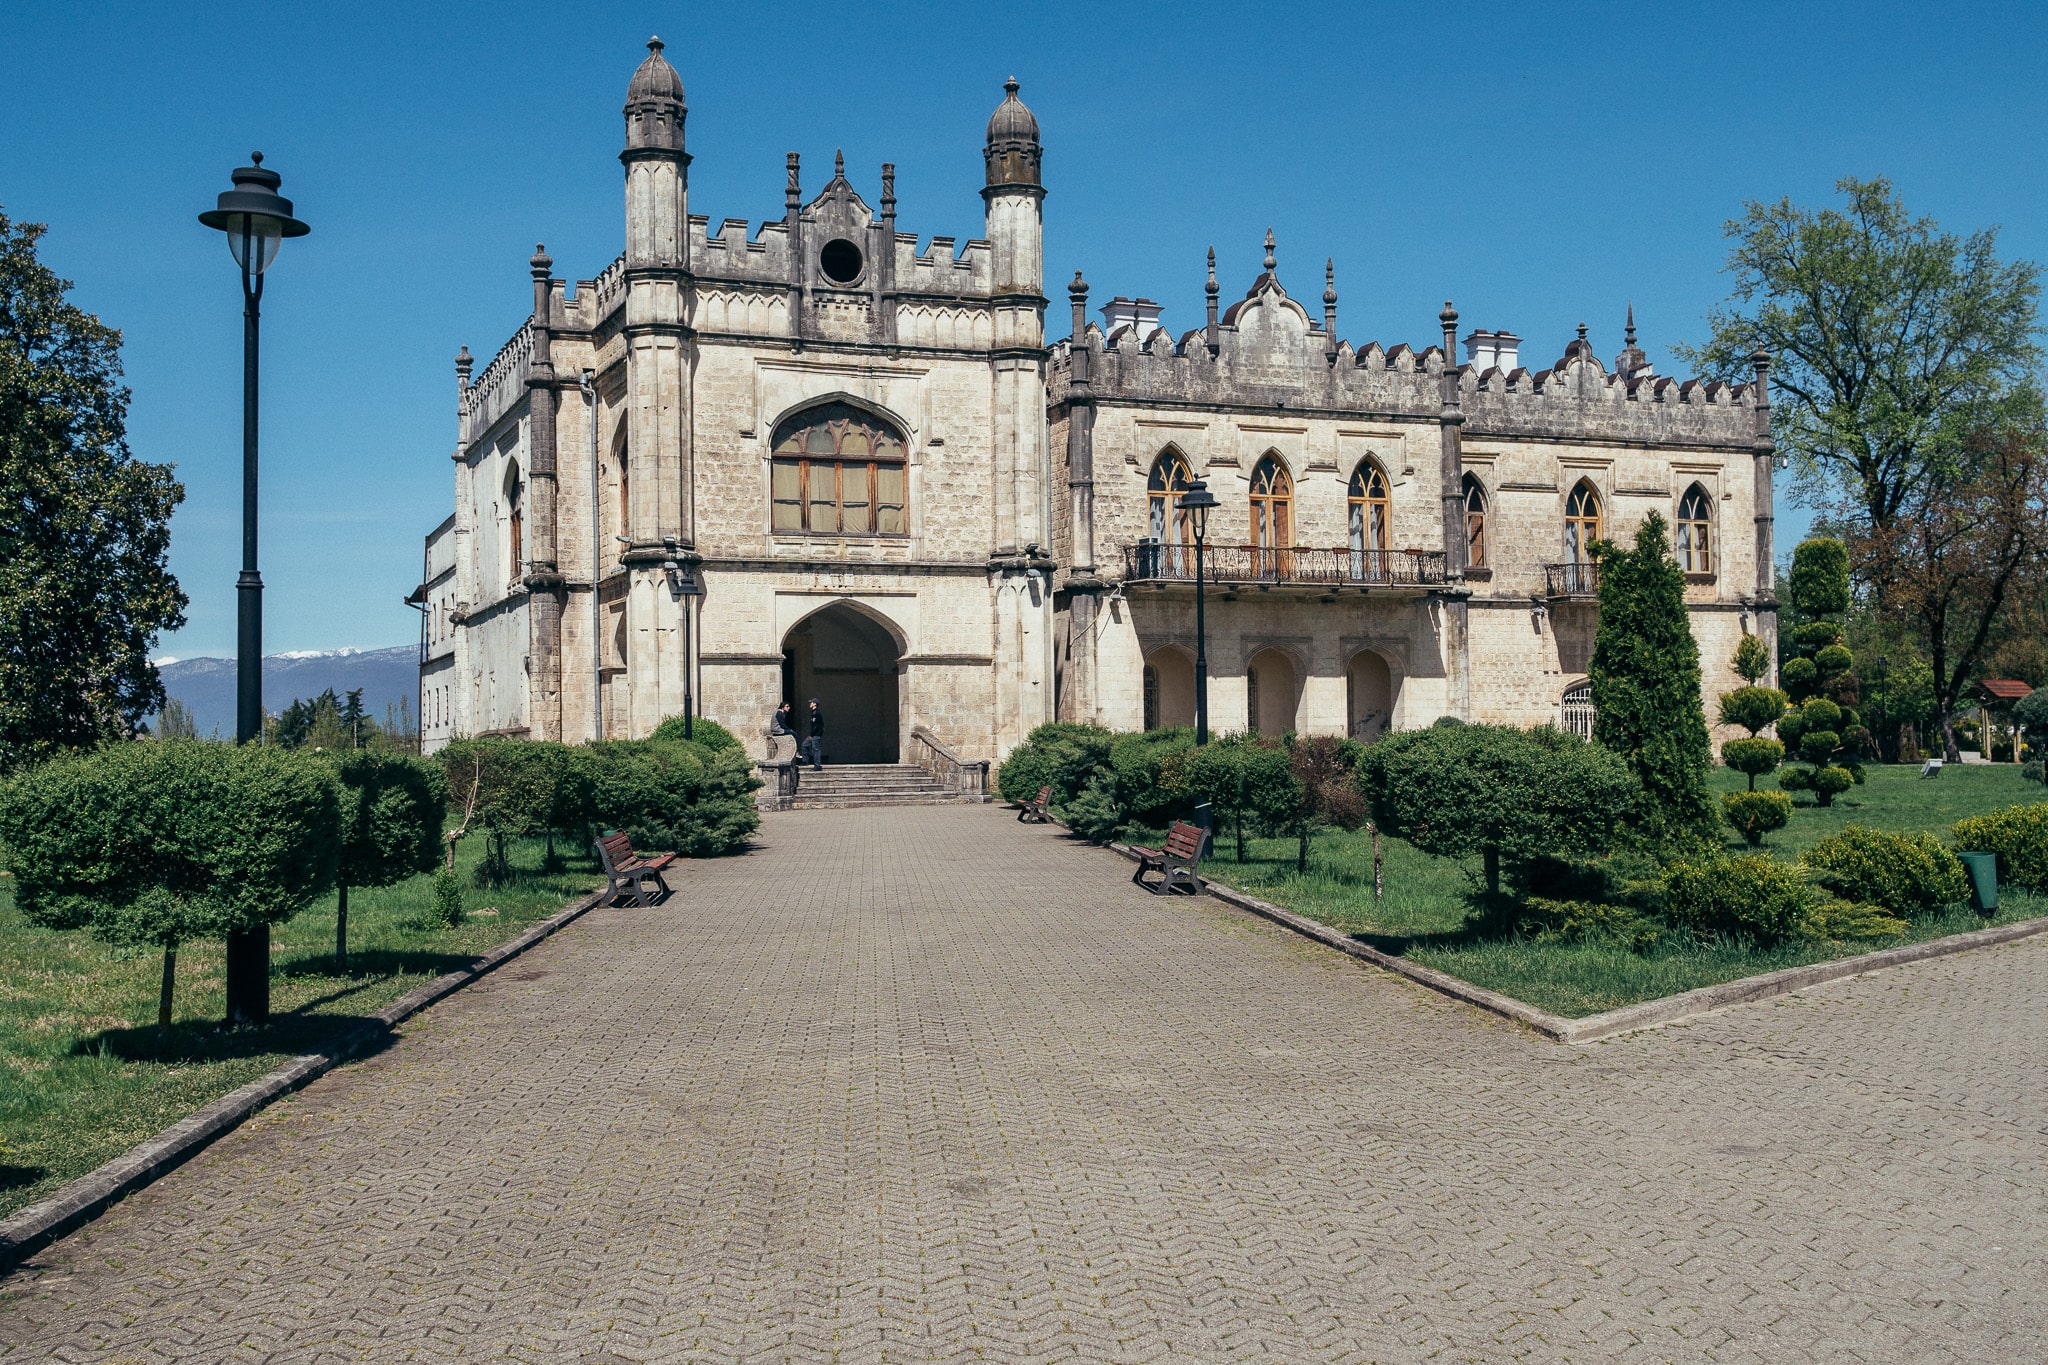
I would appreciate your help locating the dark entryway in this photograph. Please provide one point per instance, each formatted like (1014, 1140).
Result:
(849, 662)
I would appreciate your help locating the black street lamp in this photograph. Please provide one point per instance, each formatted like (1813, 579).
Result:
(1197, 502)
(256, 219)
(684, 586)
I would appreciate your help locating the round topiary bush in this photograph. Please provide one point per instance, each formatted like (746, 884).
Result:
(1909, 875)
(1828, 783)
(1753, 757)
(1752, 897)
(2018, 835)
(1754, 814)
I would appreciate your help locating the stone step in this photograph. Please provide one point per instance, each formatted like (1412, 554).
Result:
(840, 800)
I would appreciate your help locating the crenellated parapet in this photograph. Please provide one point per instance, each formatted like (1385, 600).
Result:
(1268, 352)
(502, 385)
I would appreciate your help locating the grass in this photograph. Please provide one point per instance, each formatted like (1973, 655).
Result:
(1427, 907)
(84, 1075)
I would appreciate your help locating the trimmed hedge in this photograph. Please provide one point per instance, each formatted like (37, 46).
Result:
(1754, 814)
(2018, 835)
(1908, 875)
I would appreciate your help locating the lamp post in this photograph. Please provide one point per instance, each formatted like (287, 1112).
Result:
(686, 589)
(256, 219)
(1197, 502)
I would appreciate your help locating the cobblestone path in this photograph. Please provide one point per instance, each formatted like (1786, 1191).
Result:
(930, 1085)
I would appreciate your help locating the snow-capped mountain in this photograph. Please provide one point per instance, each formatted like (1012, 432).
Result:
(207, 686)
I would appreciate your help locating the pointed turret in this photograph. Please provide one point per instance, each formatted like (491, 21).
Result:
(1012, 152)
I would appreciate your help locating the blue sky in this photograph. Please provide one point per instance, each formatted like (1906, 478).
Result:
(1541, 165)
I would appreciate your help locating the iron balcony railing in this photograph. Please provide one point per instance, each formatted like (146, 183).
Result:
(1581, 579)
(1153, 561)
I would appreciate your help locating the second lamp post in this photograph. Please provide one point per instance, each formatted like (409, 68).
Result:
(1197, 502)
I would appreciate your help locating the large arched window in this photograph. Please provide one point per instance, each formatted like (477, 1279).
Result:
(1582, 523)
(1475, 523)
(1693, 543)
(515, 525)
(1575, 710)
(838, 471)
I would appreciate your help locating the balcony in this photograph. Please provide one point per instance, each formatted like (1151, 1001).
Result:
(1149, 561)
(1580, 579)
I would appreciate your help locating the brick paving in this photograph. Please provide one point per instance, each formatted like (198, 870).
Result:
(915, 1085)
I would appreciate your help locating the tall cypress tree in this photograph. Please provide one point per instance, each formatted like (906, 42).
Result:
(1646, 684)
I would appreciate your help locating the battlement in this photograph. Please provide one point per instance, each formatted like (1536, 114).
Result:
(502, 384)
(1270, 353)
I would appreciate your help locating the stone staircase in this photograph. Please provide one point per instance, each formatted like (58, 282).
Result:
(870, 784)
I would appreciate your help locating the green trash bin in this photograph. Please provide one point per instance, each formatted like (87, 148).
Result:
(1983, 870)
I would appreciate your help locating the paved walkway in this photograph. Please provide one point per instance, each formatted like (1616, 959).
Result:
(930, 1085)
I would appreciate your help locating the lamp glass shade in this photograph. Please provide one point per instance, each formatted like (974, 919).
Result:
(1196, 502)
(254, 239)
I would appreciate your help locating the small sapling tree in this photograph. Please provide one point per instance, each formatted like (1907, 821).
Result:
(1241, 776)
(1326, 777)
(392, 809)
(1754, 708)
(1505, 795)
(160, 844)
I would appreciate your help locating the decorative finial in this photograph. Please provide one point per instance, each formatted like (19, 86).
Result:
(463, 362)
(655, 44)
(1630, 338)
(839, 163)
(1079, 288)
(1449, 317)
(888, 189)
(1330, 281)
(256, 158)
(792, 193)
(1582, 331)
(1010, 87)
(541, 261)
(1210, 287)
(1269, 251)
(1761, 359)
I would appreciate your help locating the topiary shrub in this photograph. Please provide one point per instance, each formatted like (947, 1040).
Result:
(670, 797)
(1835, 919)
(1590, 922)
(2036, 771)
(392, 810)
(1138, 762)
(446, 908)
(2018, 835)
(1754, 814)
(1241, 777)
(1753, 758)
(708, 734)
(1751, 897)
(1020, 775)
(1908, 875)
(1504, 795)
(1093, 813)
(150, 845)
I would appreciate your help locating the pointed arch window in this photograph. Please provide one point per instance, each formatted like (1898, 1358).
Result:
(1582, 523)
(1475, 523)
(837, 470)
(1693, 542)
(1272, 515)
(515, 526)
(1371, 519)
(1164, 521)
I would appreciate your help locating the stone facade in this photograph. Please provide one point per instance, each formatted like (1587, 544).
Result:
(812, 461)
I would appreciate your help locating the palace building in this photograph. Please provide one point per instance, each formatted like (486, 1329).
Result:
(809, 460)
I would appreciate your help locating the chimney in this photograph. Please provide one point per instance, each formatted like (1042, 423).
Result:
(1507, 351)
(1142, 315)
(1480, 350)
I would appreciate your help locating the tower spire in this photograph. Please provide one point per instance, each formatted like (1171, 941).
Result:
(1330, 309)
(1210, 290)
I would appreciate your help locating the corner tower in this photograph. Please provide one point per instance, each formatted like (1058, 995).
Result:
(1020, 562)
(657, 167)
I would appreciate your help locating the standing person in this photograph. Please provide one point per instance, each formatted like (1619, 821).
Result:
(814, 745)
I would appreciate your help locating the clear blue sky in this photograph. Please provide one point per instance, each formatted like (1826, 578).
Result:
(1541, 165)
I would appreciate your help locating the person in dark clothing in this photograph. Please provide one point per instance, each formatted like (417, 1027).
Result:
(779, 723)
(814, 743)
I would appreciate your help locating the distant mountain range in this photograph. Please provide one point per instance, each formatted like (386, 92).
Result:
(207, 686)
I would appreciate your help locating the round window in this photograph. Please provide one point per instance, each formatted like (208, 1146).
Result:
(841, 260)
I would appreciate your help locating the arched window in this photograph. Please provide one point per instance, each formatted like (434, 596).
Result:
(1582, 523)
(1272, 505)
(838, 471)
(1693, 542)
(1151, 698)
(1170, 478)
(1576, 710)
(1475, 523)
(515, 519)
(1371, 516)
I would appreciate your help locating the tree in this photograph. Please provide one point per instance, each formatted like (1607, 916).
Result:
(392, 809)
(1754, 708)
(509, 787)
(2030, 714)
(1954, 565)
(84, 526)
(176, 721)
(1240, 776)
(1326, 779)
(159, 844)
(1891, 338)
(1824, 729)
(1646, 684)
(355, 724)
(1505, 795)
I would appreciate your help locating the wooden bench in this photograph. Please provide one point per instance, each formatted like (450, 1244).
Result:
(627, 873)
(1176, 862)
(1038, 810)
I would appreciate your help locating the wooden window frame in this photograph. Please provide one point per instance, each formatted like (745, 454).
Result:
(1589, 526)
(1693, 537)
(811, 466)
(1360, 500)
(1272, 509)
(1475, 524)
(1169, 478)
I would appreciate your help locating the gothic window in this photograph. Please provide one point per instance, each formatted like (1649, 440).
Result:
(1581, 523)
(1272, 505)
(1694, 544)
(1170, 478)
(1151, 698)
(1576, 710)
(515, 520)
(1251, 698)
(838, 471)
(1370, 508)
(1475, 523)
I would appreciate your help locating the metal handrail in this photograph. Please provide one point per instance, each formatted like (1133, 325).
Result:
(1581, 578)
(1155, 561)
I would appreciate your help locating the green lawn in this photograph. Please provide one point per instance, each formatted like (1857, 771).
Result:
(84, 1076)
(1425, 911)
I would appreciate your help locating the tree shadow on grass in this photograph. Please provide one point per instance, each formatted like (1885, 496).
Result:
(368, 966)
(13, 1177)
(199, 1042)
(1488, 919)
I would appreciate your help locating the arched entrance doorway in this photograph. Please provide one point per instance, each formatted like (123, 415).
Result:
(849, 661)
(1270, 699)
(1169, 689)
